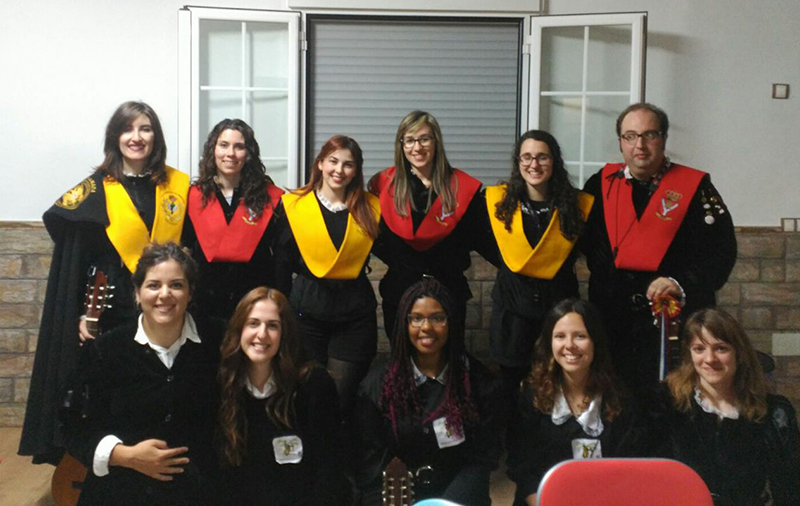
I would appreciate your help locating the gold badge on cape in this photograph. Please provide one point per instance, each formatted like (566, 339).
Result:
(75, 197)
(668, 204)
(173, 206)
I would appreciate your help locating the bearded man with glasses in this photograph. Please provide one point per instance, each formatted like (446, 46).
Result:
(657, 228)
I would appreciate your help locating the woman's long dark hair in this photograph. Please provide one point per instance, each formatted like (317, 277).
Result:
(561, 193)
(546, 376)
(399, 396)
(288, 366)
(123, 118)
(356, 198)
(253, 180)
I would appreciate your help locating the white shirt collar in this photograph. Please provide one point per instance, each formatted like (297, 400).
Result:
(269, 388)
(420, 378)
(167, 355)
(705, 405)
(590, 420)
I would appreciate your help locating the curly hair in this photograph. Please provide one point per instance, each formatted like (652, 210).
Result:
(123, 118)
(749, 384)
(547, 377)
(561, 192)
(399, 395)
(442, 170)
(356, 198)
(288, 367)
(253, 180)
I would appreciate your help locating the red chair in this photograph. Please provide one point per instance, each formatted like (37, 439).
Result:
(620, 482)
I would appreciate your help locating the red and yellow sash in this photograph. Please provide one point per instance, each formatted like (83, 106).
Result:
(549, 255)
(436, 225)
(640, 244)
(229, 242)
(315, 244)
(126, 230)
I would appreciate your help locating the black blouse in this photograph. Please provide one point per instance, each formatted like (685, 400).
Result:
(318, 478)
(461, 472)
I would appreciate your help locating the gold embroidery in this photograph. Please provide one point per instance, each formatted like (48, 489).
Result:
(75, 197)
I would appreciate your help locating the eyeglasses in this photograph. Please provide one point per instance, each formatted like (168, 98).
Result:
(424, 141)
(526, 160)
(438, 320)
(633, 137)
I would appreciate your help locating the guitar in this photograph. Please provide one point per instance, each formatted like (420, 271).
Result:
(70, 473)
(398, 484)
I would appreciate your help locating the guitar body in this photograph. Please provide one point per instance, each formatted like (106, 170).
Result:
(70, 474)
(67, 480)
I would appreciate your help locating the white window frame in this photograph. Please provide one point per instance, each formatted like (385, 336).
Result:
(638, 23)
(189, 75)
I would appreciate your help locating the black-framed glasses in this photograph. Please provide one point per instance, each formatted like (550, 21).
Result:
(438, 320)
(633, 137)
(424, 141)
(526, 160)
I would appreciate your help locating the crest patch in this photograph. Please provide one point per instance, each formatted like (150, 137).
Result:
(173, 206)
(75, 197)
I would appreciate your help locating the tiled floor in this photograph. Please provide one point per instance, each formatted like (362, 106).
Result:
(24, 484)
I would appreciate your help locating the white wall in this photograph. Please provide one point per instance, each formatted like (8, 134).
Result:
(65, 66)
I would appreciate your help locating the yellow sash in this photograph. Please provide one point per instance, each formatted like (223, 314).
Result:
(548, 256)
(314, 241)
(126, 230)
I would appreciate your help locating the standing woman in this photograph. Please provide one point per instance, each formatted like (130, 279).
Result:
(536, 219)
(432, 217)
(146, 421)
(279, 417)
(433, 406)
(332, 224)
(230, 227)
(721, 421)
(570, 406)
(105, 221)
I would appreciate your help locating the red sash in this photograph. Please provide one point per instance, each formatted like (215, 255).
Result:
(640, 244)
(436, 225)
(229, 242)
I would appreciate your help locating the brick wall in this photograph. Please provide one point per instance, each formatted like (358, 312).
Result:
(763, 292)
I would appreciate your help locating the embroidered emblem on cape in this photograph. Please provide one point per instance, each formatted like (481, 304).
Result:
(251, 217)
(288, 449)
(440, 219)
(75, 197)
(585, 449)
(668, 204)
(173, 206)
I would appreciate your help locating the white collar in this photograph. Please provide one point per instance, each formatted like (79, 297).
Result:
(705, 405)
(189, 332)
(330, 206)
(590, 420)
(420, 378)
(667, 164)
(269, 388)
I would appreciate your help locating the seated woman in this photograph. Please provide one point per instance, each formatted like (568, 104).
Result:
(146, 427)
(279, 417)
(721, 422)
(570, 406)
(433, 406)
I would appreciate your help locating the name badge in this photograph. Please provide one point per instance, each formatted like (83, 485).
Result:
(444, 436)
(288, 449)
(585, 449)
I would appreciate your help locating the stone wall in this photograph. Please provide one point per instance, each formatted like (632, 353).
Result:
(763, 292)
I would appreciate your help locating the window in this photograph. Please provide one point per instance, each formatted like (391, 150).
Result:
(243, 64)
